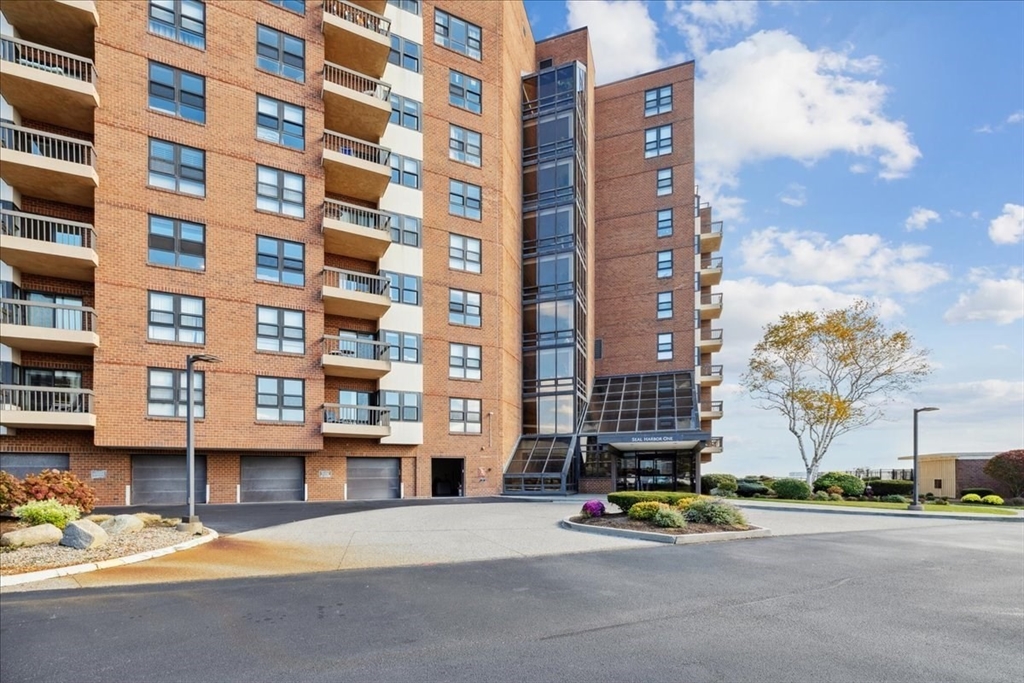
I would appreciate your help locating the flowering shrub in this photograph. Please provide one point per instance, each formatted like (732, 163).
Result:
(593, 508)
(717, 512)
(12, 493)
(47, 511)
(646, 510)
(625, 499)
(63, 487)
(683, 504)
(669, 519)
(971, 498)
(992, 500)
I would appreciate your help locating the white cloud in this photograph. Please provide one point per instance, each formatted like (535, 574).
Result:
(920, 217)
(999, 300)
(984, 129)
(1016, 117)
(989, 397)
(702, 23)
(795, 195)
(1008, 228)
(860, 263)
(859, 168)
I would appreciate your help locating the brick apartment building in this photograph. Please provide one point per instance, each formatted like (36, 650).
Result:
(431, 257)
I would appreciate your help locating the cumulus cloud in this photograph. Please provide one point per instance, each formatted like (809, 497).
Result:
(991, 299)
(1008, 228)
(920, 217)
(989, 397)
(702, 23)
(1016, 117)
(859, 263)
(795, 195)
(859, 168)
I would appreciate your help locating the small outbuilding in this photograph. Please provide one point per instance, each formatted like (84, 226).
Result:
(948, 474)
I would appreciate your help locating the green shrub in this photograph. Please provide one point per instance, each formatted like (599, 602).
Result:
(791, 489)
(717, 512)
(980, 492)
(64, 487)
(992, 500)
(626, 499)
(835, 496)
(1015, 502)
(890, 487)
(834, 489)
(725, 482)
(748, 489)
(644, 510)
(971, 498)
(669, 519)
(819, 495)
(12, 492)
(850, 485)
(893, 498)
(49, 511)
(940, 501)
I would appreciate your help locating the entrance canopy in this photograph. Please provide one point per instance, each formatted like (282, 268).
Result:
(655, 412)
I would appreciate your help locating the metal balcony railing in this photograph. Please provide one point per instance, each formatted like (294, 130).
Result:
(711, 263)
(353, 80)
(348, 347)
(47, 59)
(357, 215)
(715, 442)
(46, 229)
(711, 406)
(369, 416)
(711, 228)
(44, 314)
(45, 399)
(711, 370)
(711, 335)
(365, 283)
(32, 141)
(711, 299)
(358, 16)
(361, 149)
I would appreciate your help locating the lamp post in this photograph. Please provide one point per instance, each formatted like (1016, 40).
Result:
(916, 503)
(192, 524)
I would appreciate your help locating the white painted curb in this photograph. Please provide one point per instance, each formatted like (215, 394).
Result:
(31, 577)
(677, 539)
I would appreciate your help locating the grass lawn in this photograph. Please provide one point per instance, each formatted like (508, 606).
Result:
(980, 509)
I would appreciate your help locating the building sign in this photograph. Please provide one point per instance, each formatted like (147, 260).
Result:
(655, 438)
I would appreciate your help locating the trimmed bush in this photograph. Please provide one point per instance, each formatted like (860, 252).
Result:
(890, 487)
(971, 498)
(992, 500)
(748, 489)
(792, 489)
(49, 511)
(1015, 502)
(978, 492)
(626, 499)
(819, 495)
(669, 519)
(683, 504)
(835, 496)
(850, 485)
(894, 498)
(725, 482)
(593, 508)
(717, 512)
(940, 501)
(645, 510)
(63, 487)
(834, 489)
(12, 492)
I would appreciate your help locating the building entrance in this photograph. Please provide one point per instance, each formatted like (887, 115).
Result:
(658, 471)
(446, 475)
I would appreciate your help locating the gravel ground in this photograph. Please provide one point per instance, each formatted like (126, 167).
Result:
(40, 557)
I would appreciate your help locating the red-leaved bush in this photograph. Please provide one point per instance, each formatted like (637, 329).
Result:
(12, 493)
(63, 487)
(1008, 467)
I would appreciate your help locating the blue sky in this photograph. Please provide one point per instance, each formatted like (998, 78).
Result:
(870, 150)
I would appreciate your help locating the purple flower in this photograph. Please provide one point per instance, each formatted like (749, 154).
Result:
(593, 508)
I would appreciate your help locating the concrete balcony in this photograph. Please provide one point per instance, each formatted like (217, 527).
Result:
(64, 24)
(355, 168)
(714, 445)
(49, 85)
(356, 38)
(711, 410)
(48, 166)
(355, 104)
(358, 358)
(710, 271)
(355, 295)
(355, 231)
(48, 328)
(710, 306)
(48, 246)
(709, 375)
(376, 6)
(46, 408)
(710, 341)
(356, 422)
(710, 236)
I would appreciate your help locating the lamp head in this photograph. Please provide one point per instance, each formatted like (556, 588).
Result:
(203, 358)
(925, 410)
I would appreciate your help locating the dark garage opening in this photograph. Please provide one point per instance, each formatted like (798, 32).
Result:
(446, 477)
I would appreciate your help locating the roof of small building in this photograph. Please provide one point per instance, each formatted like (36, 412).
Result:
(973, 455)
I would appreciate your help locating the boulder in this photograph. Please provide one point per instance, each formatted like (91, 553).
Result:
(39, 534)
(122, 524)
(83, 535)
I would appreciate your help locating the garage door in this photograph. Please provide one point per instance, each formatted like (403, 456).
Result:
(273, 478)
(21, 465)
(163, 480)
(374, 478)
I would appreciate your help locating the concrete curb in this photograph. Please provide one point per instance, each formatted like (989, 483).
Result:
(677, 539)
(878, 513)
(31, 577)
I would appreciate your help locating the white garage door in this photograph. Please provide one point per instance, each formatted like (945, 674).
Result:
(374, 478)
(268, 478)
(163, 479)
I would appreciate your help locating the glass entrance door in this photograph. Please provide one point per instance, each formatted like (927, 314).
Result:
(646, 472)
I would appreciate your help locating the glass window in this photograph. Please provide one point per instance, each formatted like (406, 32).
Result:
(280, 53)
(464, 146)
(405, 53)
(457, 34)
(555, 415)
(167, 393)
(177, 167)
(177, 318)
(404, 289)
(403, 347)
(174, 242)
(280, 329)
(664, 181)
(665, 346)
(464, 415)
(297, 6)
(464, 307)
(464, 200)
(405, 229)
(463, 253)
(177, 92)
(465, 92)
(280, 122)
(664, 305)
(180, 20)
(405, 171)
(406, 112)
(280, 261)
(658, 101)
(464, 361)
(408, 5)
(280, 400)
(665, 223)
(657, 141)
(665, 263)
(404, 406)
(280, 192)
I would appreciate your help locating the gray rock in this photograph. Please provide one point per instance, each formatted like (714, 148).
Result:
(83, 535)
(122, 524)
(40, 534)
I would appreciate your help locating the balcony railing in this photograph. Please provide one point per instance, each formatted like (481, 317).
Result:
(353, 80)
(367, 151)
(46, 229)
(45, 399)
(711, 406)
(31, 141)
(364, 283)
(711, 370)
(711, 335)
(357, 215)
(711, 228)
(367, 416)
(47, 59)
(711, 299)
(44, 314)
(714, 443)
(711, 263)
(364, 349)
(358, 16)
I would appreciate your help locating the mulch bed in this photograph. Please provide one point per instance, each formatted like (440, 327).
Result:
(621, 521)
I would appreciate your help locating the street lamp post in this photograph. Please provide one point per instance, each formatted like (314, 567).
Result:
(192, 524)
(916, 503)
